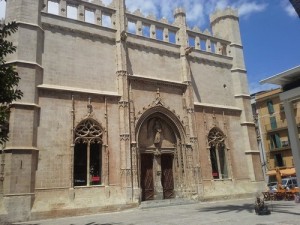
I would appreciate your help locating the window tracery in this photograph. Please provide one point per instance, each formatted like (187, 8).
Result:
(88, 153)
(218, 155)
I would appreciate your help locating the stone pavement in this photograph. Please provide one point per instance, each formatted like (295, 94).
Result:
(227, 212)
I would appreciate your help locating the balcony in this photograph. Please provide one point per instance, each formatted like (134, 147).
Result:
(279, 125)
(285, 145)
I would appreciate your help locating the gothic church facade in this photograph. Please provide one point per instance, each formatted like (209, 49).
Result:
(120, 108)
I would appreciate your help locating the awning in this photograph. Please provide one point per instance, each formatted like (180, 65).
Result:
(283, 172)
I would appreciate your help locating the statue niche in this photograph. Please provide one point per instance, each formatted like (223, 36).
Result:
(156, 133)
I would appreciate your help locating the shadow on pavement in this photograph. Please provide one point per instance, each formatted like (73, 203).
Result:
(275, 208)
(94, 223)
(229, 208)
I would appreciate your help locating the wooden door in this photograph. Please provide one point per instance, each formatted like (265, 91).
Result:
(167, 176)
(147, 177)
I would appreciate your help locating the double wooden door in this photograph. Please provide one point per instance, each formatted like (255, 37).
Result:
(147, 179)
(167, 180)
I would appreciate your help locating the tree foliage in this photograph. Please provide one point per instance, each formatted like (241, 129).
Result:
(9, 78)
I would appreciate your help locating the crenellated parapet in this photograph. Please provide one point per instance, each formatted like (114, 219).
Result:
(137, 24)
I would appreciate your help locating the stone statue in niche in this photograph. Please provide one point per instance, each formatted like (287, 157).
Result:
(157, 130)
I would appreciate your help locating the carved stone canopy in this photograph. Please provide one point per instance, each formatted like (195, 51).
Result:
(88, 130)
(216, 137)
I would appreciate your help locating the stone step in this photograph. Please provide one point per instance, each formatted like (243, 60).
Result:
(166, 202)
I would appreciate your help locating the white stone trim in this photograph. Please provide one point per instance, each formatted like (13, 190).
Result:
(241, 70)
(73, 89)
(217, 106)
(25, 104)
(25, 62)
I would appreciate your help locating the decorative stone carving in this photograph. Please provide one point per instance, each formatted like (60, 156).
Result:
(88, 130)
(196, 29)
(207, 32)
(123, 35)
(193, 140)
(121, 73)
(123, 104)
(151, 17)
(138, 13)
(164, 20)
(124, 137)
(215, 137)
(190, 110)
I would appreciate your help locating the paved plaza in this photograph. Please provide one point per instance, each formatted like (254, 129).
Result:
(223, 212)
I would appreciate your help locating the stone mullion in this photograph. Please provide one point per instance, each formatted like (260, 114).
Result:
(63, 8)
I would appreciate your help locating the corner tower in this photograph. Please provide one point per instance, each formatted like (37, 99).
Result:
(225, 24)
(21, 152)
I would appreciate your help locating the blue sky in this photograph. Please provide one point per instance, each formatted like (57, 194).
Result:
(270, 30)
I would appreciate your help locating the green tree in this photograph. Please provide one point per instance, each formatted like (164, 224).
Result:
(9, 78)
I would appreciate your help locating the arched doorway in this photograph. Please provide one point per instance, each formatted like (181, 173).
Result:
(158, 141)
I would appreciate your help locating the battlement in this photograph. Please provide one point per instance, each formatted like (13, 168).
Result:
(95, 12)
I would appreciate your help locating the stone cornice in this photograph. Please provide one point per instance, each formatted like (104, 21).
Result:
(252, 152)
(239, 70)
(140, 78)
(208, 105)
(25, 62)
(31, 25)
(238, 45)
(78, 90)
(77, 31)
(50, 25)
(24, 104)
(208, 61)
(20, 148)
(152, 48)
(246, 96)
(245, 123)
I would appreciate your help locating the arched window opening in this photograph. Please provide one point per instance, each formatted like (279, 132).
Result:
(218, 156)
(88, 153)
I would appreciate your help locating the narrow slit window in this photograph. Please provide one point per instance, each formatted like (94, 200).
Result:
(213, 47)
(131, 27)
(53, 7)
(106, 20)
(172, 37)
(72, 12)
(159, 34)
(89, 16)
(146, 30)
(191, 41)
(203, 44)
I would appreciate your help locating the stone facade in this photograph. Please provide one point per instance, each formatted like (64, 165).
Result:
(160, 106)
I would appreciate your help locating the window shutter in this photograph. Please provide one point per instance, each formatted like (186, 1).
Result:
(270, 107)
(273, 122)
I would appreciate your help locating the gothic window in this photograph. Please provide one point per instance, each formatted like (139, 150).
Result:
(218, 155)
(88, 153)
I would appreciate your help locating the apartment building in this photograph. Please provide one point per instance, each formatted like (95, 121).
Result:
(274, 131)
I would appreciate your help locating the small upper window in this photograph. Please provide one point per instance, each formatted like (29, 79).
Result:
(270, 106)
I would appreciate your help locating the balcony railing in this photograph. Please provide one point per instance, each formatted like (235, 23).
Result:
(285, 145)
(279, 125)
